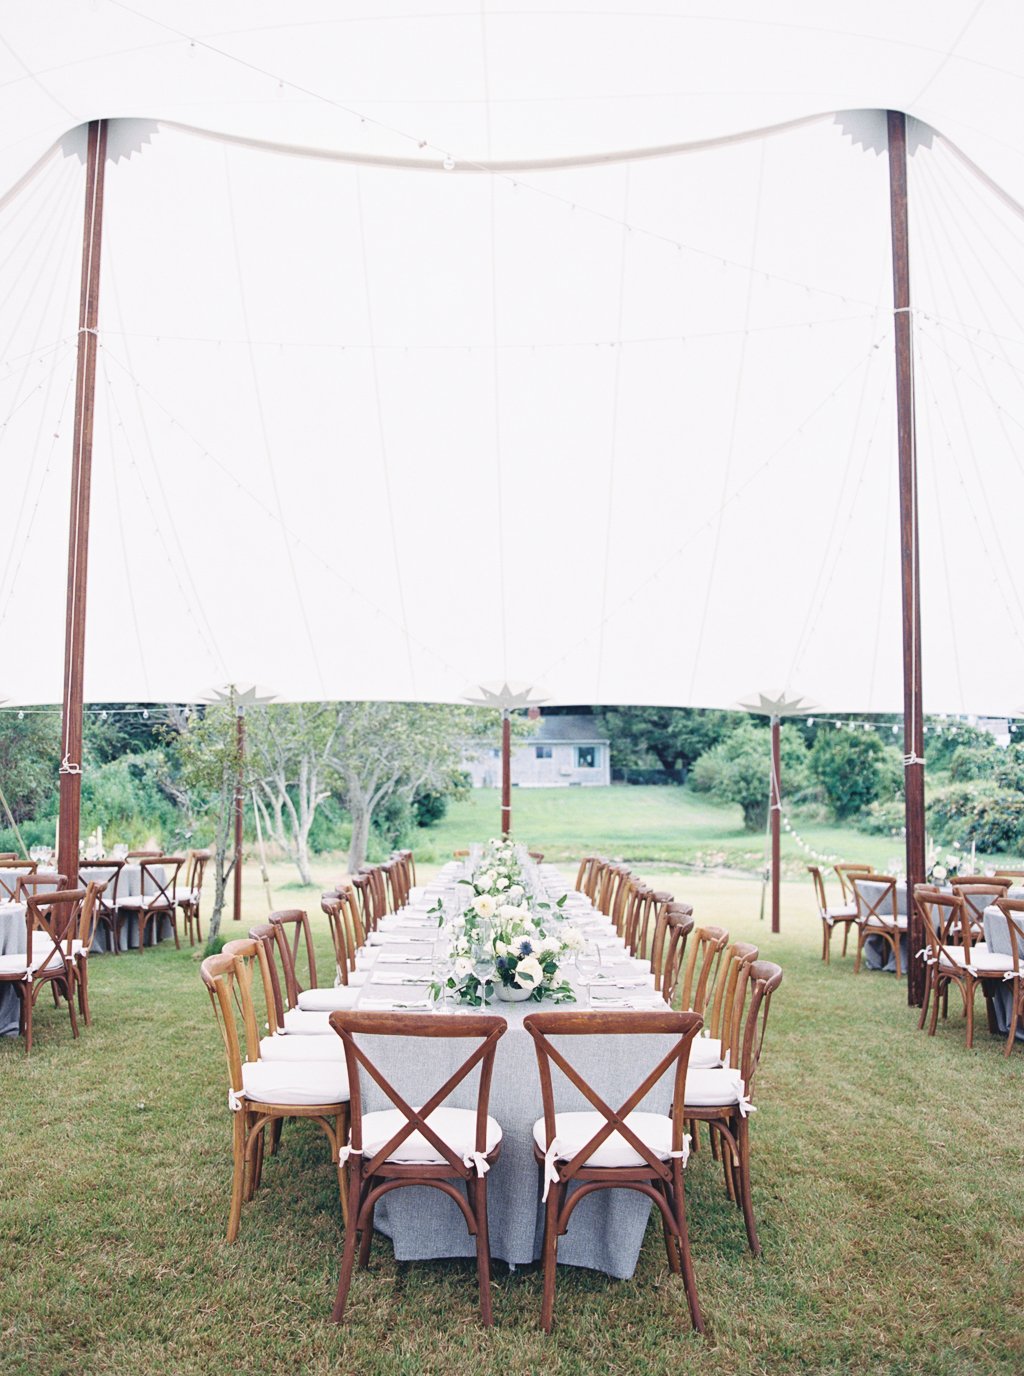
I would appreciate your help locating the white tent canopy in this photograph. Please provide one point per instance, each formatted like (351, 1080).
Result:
(440, 348)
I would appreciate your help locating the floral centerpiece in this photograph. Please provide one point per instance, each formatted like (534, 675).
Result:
(948, 872)
(499, 943)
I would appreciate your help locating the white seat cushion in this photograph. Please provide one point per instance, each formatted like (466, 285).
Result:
(302, 1049)
(705, 1053)
(713, 1088)
(327, 1000)
(574, 1130)
(455, 1126)
(294, 1082)
(981, 960)
(840, 914)
(303, 1023)
(886, 923)
(17, 963)
(149, 900)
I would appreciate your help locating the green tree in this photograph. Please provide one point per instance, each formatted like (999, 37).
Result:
(738, 769)
(673, 736)
(208, 761)
(289, 752)
(854, 769)
(29, 761)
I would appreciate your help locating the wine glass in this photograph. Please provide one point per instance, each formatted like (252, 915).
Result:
(588, 966)
(442, 967)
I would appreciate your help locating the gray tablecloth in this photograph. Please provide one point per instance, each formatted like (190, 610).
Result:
(997, 938)
(128, 886)
(878, 953)
(607, 1230)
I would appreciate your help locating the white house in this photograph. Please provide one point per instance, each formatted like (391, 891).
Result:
(564, 752)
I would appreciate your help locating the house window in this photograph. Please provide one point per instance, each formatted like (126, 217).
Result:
(586, 756)
(542, 752)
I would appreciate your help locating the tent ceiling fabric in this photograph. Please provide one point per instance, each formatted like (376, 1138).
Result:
(623, 429)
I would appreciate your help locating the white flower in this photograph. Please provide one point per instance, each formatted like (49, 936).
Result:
(516, 891)
(463, 967)
(501, 884)
(501, 948)
(524, 946)
(485, 906)
(938, 872)
(549, 945)
(508, 913)
(573, 939)
(529, 972)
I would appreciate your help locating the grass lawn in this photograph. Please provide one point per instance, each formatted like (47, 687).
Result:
(887, 1176)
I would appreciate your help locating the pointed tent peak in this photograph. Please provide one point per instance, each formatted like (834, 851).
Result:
(504, 694)
(251, 696)
(777, 704)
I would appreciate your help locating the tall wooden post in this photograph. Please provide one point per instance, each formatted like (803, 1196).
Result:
(776, 810)
(506, 772)
(913, 718)
(78, 529)
(239, 804)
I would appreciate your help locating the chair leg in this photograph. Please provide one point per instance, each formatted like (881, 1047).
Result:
(927, 997)
(83, 990)
(846, 936)
(970, 986)
(366, 1237)
(27, 1003)
(275, 1135)
(689, 1279)
(483, 1248)
(348, 1256)
(826, 944)
(69, 991)
(547, 1308)
(1014, 1020)
(237, 1172)
(671, 1239)
(743, 1143)
(860, 948)
(174, 925)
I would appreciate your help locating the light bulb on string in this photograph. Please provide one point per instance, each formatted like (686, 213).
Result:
(449, 162)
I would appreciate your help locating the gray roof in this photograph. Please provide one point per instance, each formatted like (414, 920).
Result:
(570, 730)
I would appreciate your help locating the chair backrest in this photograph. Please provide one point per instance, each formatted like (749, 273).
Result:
(649, 937)
(537, 856)
(607, 881)
(51, 926)
(9, 881)
(882, 904)
(622, 899)
(819, 889)
(107, 874)
(158, 880)
(142, 854)
(37, 883)
(1009, 874)
(292, 925)
(734, 957)
(756, 984)
(678, 919)
(702, 958)
(378, 890)
(333, 904)
(394, 875)
(683, 1027)
(410, 864)
(273, 942)
(6, 856)
(636, 897)
(1013, 910)
(361, 884)
(89, 914)
(583, 873)
(980, 894)
(945, 921)
(228, 978)
(194, 871)
(846, 873)
(485, 1029)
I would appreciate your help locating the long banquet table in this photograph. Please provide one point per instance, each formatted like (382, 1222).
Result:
(607, 1230)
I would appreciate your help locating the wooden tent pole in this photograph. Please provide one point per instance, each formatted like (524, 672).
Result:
(506, 772)
(239, 804)
(776, 811)
(913, 719)
(78, 530)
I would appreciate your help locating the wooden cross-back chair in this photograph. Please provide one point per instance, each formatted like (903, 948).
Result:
(649, 933)
(623, 900)
(678, 926)
(6, 856)
(537, 856)
(953, 957)
(51, 928)
(846, 872)
(9, 882)
(606, 877)
(409, 860)
(1013, 911)
(613, 1147)
(878, 916)
(723, 1097)
(157, 900)
(188, 902)
(81, 945)
(262, 1092)
(704, 952)
(292, 926)
(428, 1144)
(378, 891)
(295, 1034)
(845, 916)
(107, 874)
(636, 904)
(394, 875)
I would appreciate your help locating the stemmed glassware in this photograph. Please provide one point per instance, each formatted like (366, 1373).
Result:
(588, 967)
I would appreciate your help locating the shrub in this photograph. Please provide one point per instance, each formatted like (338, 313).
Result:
(983, 813)
(737, 770)
(854, 768)
(971, 762)
(429, 808)
(883, 819)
